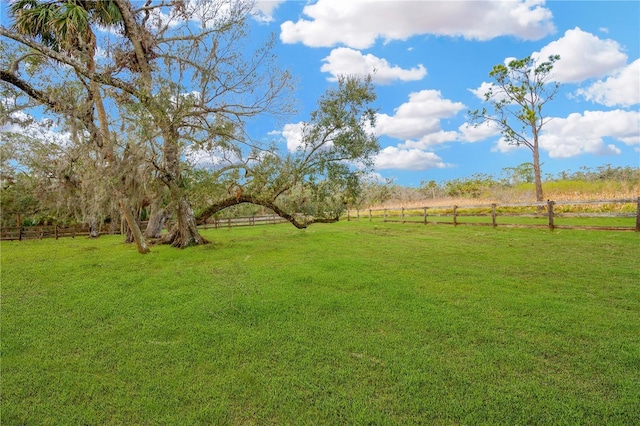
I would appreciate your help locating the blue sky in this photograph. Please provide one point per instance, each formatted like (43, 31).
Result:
(432, 57)
(432, 60)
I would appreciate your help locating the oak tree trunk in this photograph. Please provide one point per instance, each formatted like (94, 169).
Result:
(94, 229)
(157, 220)
(184, 232)
(136, 233)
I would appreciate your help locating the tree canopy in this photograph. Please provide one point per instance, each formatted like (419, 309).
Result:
(318, 178)
(141, 86)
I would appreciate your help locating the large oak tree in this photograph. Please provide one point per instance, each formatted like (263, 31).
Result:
(186, 68)
(155, 81)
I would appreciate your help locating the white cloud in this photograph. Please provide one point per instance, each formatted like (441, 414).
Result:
(292, 133)
(582, 56)
(348, 61)
(621, 88)
(585, 133)
(201, 158)
(407, 159)
(211, 158)
(497, 94)
(470, 133)
(388, 158)
(211, 13)
(42, 130)
(419, 117)
(432, 139)
(359, 24)
(481, 91)
(263, 9)
(504, 147)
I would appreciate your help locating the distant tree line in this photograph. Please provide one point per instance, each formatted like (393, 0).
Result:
(479, 184)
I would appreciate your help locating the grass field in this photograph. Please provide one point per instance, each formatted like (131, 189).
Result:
(348, 323)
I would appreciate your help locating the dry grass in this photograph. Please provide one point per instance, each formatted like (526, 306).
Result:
(525, 193)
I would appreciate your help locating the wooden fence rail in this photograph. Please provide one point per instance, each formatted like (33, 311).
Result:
(231, 222)
(547, 214)
(59, 231)
(43, 231)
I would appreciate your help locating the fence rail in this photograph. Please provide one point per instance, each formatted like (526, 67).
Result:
(43, 231)
(59, 231)
(550, 214)
(231, 222)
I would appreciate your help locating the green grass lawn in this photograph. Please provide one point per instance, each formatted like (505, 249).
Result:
(347, 323)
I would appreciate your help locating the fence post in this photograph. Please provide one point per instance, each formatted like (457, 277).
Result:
(402, 215)
(348, 215)
(425, 215)
(369, 215)
(56, 231)
(493, 215)
(455, 215)
(638, 216)
(385, 215)
(358, 213)
(550, 212)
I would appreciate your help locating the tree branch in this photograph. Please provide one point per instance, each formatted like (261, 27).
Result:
(77, 66)
(234, 200)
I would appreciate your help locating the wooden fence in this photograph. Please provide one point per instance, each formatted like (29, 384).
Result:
(552, 215)
(43, 231)
(59, 231)
(231, 222)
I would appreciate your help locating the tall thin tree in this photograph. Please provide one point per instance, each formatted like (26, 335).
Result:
(520, 91)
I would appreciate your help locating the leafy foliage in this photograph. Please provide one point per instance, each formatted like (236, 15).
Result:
(185, 85)
(322, 175)
(469, 187)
